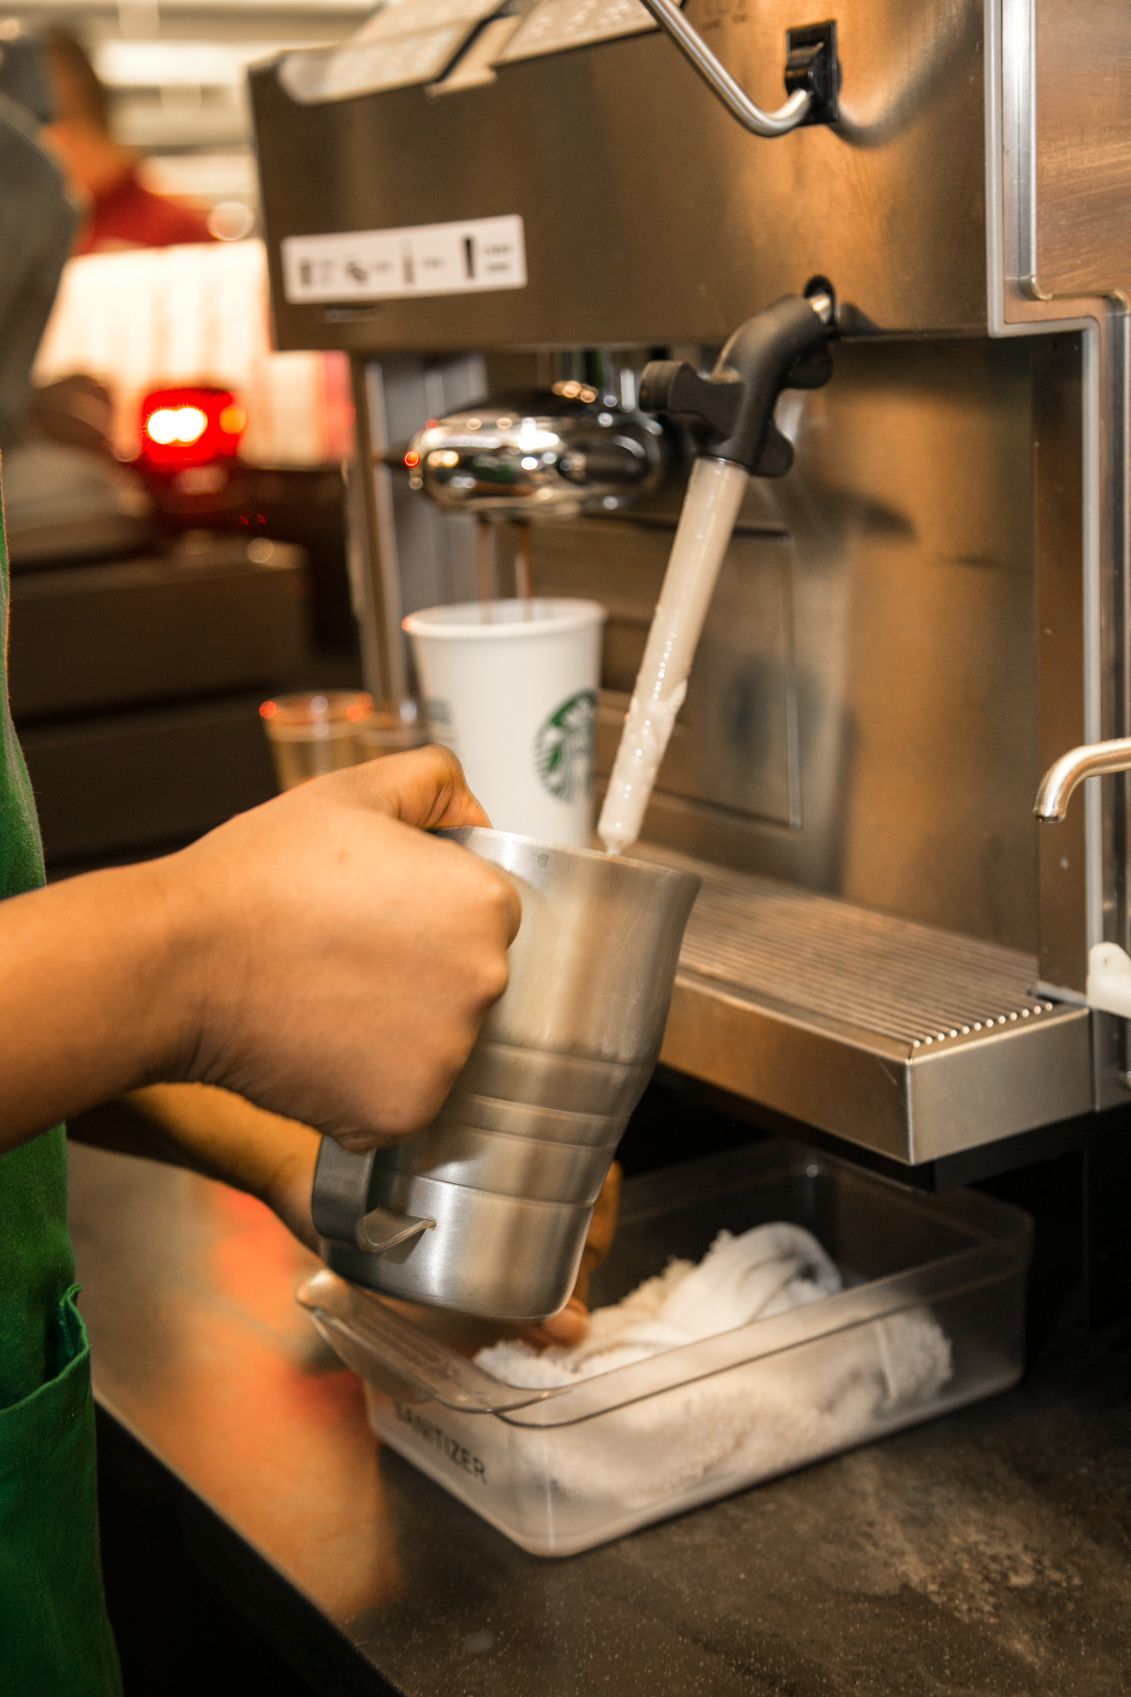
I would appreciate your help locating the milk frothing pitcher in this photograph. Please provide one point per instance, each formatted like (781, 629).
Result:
(487, 1210)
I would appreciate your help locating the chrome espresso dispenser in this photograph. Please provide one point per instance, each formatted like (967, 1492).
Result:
(533, 227)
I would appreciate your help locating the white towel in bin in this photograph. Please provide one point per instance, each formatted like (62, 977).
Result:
(751, 1421)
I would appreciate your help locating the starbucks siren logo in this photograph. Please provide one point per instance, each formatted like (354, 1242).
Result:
(563, 748)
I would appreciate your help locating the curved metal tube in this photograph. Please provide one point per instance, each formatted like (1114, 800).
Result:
(1090, 760)
(735, 98)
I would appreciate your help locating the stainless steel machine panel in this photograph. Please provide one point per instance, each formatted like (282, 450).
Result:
(648, 180)
(1083, 144)
(910, 625)
(861, 717)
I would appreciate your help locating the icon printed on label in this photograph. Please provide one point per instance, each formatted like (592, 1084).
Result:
(563, 747)
(424, 259)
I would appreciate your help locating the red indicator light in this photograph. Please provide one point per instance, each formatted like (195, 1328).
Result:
(190, 425)
(176, 426)
(412, 459)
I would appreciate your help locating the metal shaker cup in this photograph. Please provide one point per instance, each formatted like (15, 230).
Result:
(487, 1210)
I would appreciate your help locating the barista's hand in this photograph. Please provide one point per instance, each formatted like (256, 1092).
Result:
(321, 955)
(339, 960)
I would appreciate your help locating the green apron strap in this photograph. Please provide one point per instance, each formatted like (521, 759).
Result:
(55, 1639)
(54, 1635)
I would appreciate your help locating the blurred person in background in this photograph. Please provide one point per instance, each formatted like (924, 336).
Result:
(103, 174)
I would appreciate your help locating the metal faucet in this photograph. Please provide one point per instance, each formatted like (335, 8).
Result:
(1091, 760)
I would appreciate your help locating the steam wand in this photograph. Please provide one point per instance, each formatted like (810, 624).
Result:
(732, 412)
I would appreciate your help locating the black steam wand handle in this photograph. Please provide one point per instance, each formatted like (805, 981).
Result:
(784, 347)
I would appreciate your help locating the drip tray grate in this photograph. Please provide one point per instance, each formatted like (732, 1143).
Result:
(900, 980)
(913, 1041)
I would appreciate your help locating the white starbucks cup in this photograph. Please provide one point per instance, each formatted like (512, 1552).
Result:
(511, 688)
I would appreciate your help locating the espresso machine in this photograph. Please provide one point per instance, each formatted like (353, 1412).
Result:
(533, 227)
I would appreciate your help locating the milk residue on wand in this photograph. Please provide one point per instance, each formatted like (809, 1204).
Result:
(710, 510)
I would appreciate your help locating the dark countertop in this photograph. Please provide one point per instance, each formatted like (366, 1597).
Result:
(987, 1554)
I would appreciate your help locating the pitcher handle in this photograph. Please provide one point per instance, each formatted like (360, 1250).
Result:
(339, 1203)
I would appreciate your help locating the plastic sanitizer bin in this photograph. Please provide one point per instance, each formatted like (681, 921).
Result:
(931, 1318)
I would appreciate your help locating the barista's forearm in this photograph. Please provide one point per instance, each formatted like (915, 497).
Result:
(215, 1133)
(96, 995)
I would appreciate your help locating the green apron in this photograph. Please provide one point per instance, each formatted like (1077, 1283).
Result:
(55, 1638)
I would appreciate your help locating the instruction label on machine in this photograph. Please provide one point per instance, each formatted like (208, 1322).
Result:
(469, 256)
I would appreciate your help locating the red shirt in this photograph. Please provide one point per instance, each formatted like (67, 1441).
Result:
(130, 215)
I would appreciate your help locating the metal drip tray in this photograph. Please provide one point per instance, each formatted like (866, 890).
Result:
(912, 1041)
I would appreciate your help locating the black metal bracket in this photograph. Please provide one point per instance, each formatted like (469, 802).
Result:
(812, 66)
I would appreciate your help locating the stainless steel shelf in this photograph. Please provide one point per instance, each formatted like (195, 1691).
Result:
(908, 1040)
